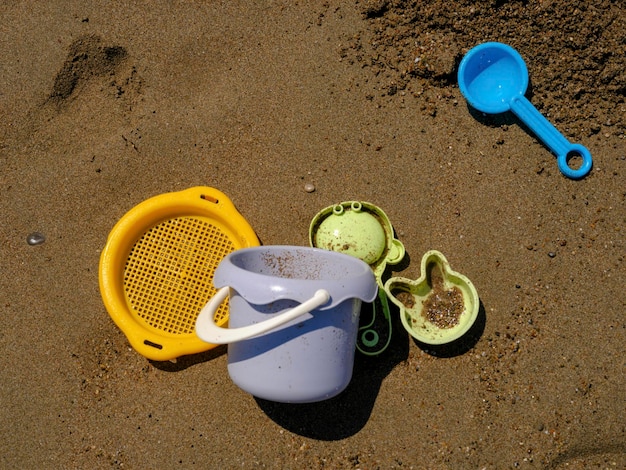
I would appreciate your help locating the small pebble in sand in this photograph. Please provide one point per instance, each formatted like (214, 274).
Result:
(551, 254)
(35, 238)
(309, 188)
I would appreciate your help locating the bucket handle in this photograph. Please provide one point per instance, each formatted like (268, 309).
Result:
(208, 331)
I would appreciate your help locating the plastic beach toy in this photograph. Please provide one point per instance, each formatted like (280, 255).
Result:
(362, 230)
(294, 316)
(157, 266)
(493, 78)
(440, 306)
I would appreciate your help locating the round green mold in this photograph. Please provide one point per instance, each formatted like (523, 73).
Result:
(358, 229)
(362, 230)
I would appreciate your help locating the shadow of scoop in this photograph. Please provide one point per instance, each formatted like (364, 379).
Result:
(347, 413)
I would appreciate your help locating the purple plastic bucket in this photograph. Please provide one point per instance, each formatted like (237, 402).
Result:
(294, 316)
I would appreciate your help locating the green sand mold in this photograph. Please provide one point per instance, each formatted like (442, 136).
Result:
(359, 229)
(410, 296)
(362, 230)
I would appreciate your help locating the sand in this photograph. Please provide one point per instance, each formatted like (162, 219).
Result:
(106, 104)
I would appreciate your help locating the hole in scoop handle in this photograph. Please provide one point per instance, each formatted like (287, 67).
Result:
(550, 136)
(208, 331)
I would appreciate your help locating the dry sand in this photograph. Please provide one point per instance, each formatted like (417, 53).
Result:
(105, 104)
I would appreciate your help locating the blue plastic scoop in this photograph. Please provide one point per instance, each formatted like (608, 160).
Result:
(493, 78)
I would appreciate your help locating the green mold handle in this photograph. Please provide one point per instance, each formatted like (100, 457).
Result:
(396, 252)
(368, 340)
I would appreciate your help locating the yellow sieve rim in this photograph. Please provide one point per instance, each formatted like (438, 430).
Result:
(156, 269)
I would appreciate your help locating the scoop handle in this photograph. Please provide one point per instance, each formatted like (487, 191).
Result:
(550, 136)
(208, 331)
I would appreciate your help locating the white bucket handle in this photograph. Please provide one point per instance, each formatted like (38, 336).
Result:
(208, 331)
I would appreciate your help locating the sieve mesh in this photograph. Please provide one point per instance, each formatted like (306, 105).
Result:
(168, 277)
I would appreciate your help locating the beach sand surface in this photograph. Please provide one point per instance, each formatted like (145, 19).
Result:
(104, 104)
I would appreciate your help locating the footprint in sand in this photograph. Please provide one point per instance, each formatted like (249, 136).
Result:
(87, 124)
(88, 58)
(95, 94)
